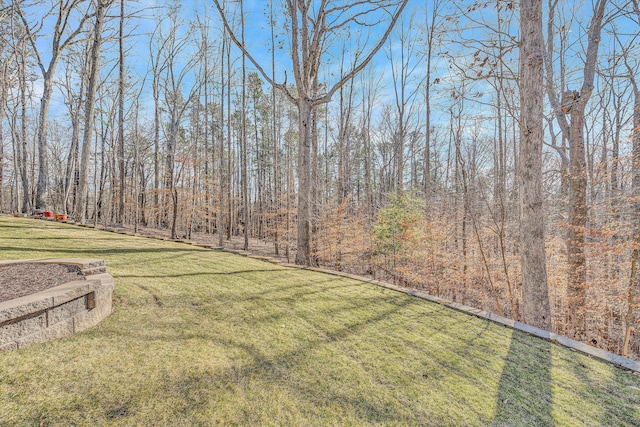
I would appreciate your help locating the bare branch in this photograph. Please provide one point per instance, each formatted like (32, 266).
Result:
(280, 86)
(326, 98)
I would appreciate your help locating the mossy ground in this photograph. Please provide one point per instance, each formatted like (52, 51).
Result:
(200, 337)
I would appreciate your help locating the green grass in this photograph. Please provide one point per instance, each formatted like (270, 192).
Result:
(201, 338)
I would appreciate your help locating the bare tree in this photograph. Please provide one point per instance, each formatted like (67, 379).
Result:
(221, 169)
(633, 289)
(63, 35)
(14, 85)
(370, 92)
(431, 18)
(535, 297)
(345, 125)
(274, 134)
(574, 104)
(121, 87)
(92, 85)
(177, 71)
(243, 140)
(405, 89)
(73, 100)
(21, 135)
(7, 78)
(310, 27)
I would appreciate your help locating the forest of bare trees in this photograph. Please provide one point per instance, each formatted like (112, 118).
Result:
(487, 152)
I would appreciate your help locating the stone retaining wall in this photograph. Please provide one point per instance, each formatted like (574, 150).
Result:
(60, 311)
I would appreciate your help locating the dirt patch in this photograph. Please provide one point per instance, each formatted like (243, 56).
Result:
(18, 280)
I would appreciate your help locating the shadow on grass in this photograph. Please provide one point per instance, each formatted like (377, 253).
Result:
(606, 392)
(93, 239)
(202, 273)
(525, 395)
(28, 227)
(282, 296)
(277, 367)
(94, 250)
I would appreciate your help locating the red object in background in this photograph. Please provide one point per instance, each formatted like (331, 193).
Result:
(61, 217)
(48, 214)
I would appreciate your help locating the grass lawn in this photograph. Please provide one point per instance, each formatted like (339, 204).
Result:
(201, 338)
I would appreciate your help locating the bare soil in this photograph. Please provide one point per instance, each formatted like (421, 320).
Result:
(21, 279)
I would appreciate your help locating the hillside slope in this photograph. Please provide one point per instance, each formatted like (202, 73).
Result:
(200, 337)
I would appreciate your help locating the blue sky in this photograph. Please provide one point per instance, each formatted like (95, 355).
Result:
(575, 14)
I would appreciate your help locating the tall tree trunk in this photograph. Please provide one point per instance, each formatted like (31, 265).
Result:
(43, 124)
(577, 225)
(314, 203)
(26, 194)
(536, 307)
(289, 191)
(430, 40)
(244, 179)
(367, 111)
(3, 105)
(89, 113)
(220, 226)
(207, 175)
(303, 254)
(138, 193)
(577, 272)
(169, 183)
(259, 173)
(633, 290)
(72, 171)
(121, 81)
(276, 181)
(229, 177)
(16, 161)
(156, 148)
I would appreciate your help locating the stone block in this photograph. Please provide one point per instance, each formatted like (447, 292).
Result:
(89, 318)
(59, 330)
(22, 326)
(72, 290)
(501, 320)
(92, 263)
(106, 284)
(67, 310)
(103, 306)
(104, 301)
(24, 306)
(94, 270)
(532, 330)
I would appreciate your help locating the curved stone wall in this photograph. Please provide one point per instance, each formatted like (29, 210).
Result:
(59, 311)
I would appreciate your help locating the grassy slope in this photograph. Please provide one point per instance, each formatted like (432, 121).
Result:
(236, 341)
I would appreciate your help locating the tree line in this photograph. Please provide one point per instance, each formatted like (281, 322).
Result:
(487, 152)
